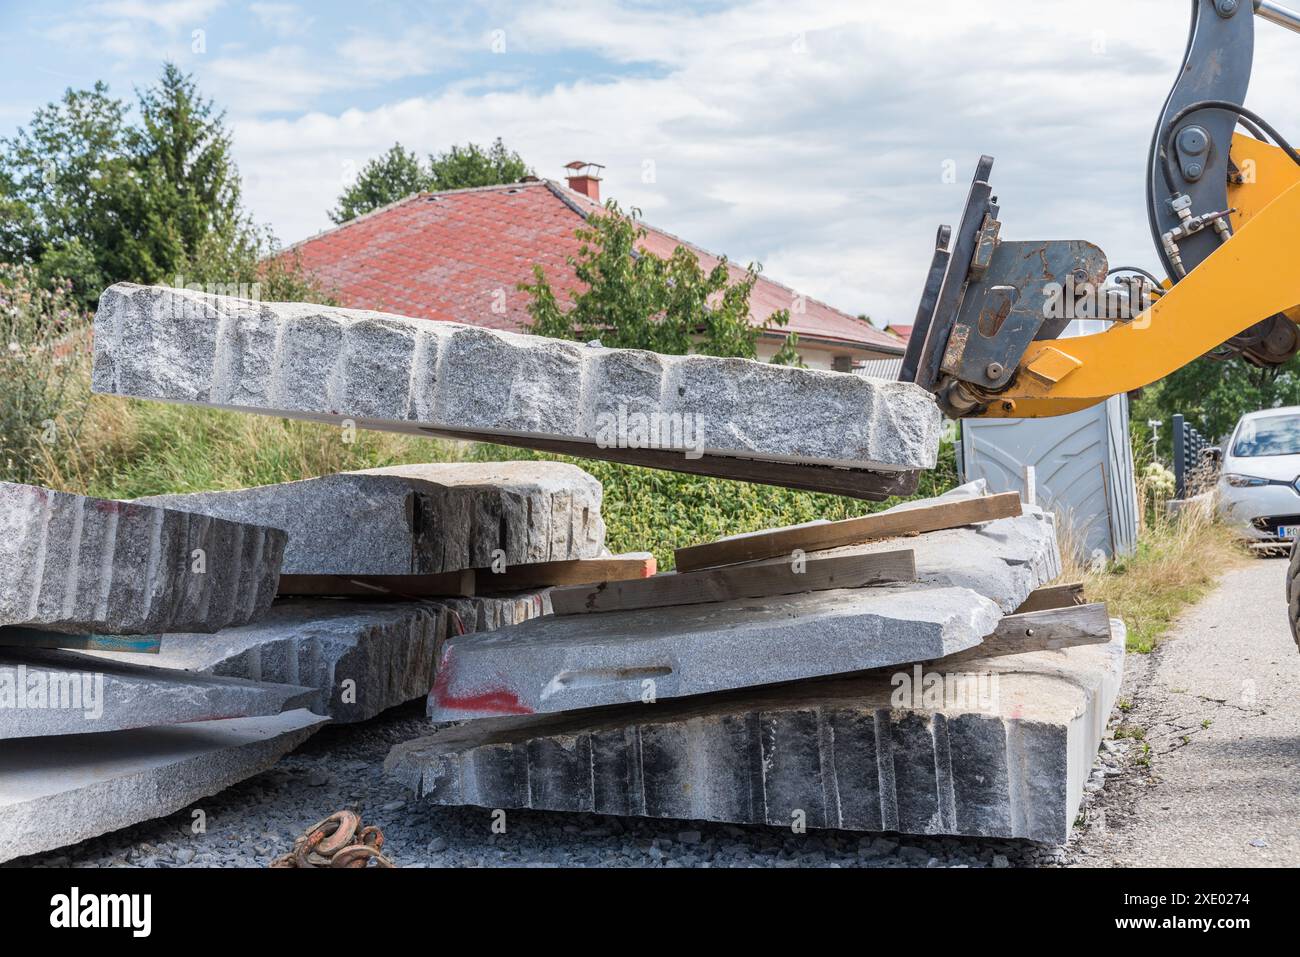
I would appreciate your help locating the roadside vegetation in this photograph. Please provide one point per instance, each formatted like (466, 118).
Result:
(1179, 559)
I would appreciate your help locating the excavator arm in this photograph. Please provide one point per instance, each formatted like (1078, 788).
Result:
(1224, 209)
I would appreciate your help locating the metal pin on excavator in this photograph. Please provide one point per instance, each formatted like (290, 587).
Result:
(1224, 210)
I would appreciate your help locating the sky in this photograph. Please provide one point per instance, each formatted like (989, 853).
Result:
(826, 141)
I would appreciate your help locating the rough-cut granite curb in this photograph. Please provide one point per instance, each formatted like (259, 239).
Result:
(45, 693)
(840, 754)
(421, 519)
(360, 658)
(57, 791)
(75, 564)
(390, 372)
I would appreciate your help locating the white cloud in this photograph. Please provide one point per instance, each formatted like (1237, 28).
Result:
(170, 16)
(281, 19)
(811, 137)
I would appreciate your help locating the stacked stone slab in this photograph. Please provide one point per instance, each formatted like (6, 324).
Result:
(846, 753)
(44, 693)
(390, 372)
(59, 790)
(564, 664)
(967, 579)
(75, 564)
(359, 658)
(421, 519)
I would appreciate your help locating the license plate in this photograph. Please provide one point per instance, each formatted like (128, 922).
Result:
(1288, 531)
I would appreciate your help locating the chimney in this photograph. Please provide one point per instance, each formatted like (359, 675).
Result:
(584, 178)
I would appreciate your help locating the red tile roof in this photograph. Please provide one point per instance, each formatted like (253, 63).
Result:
(458, 256)
(903, 332)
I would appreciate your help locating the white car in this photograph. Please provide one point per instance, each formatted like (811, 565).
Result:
(1259, 480)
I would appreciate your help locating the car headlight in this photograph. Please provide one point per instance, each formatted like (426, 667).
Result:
(1244, 481)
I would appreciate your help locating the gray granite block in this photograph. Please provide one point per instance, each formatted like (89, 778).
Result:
(359, 658)
(75, 564)
(60, 790)
(420, 519)
(562, 663)
(54, 692)
(859, 754)
(409, 375)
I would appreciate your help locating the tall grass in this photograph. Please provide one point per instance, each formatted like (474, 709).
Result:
(1179, 559)
(44, 362)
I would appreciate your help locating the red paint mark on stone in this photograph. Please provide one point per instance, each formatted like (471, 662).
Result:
(498, 701)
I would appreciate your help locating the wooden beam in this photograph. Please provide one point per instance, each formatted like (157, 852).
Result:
(737, 581)
(1053, 596)
(782, 542)
(470, 582)
(576, 572)
(855, 483)
(1049, 630)
(17, 637)
(445, 584)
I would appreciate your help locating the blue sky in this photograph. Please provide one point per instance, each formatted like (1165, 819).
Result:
(825, 140)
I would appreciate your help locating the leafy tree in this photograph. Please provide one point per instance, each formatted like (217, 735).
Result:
(88, 197)
(383, 180)
(66, 181)
(471, 165)
(1212, 395)
(631, 298)
(190, 187)
(398, 173)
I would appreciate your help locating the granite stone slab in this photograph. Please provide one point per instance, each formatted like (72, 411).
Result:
(60, 790)
(74, 564)
(358, 657)
(561, 663)
(860, 754)
(56, 692)
(421, 519)
(390, 372)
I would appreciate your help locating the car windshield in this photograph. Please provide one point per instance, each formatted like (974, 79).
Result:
(1273, 435)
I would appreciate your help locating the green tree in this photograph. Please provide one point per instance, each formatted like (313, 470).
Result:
(88, 197)
(383, 180)
(630, 298)
(188, 181)
(69, 191)
(398, 173)
(471, 165)
(1212, 395)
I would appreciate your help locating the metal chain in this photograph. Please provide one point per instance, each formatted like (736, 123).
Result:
(337, 841)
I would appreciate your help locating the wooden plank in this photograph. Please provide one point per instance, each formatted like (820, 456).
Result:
(737, 581)
(1053, 596)
(781, 542)
(575, 572)
(1049, 630)
(389, 587)
(855, 483)
(17, 637)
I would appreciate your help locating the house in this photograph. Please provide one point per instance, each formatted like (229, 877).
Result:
(460, 255)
